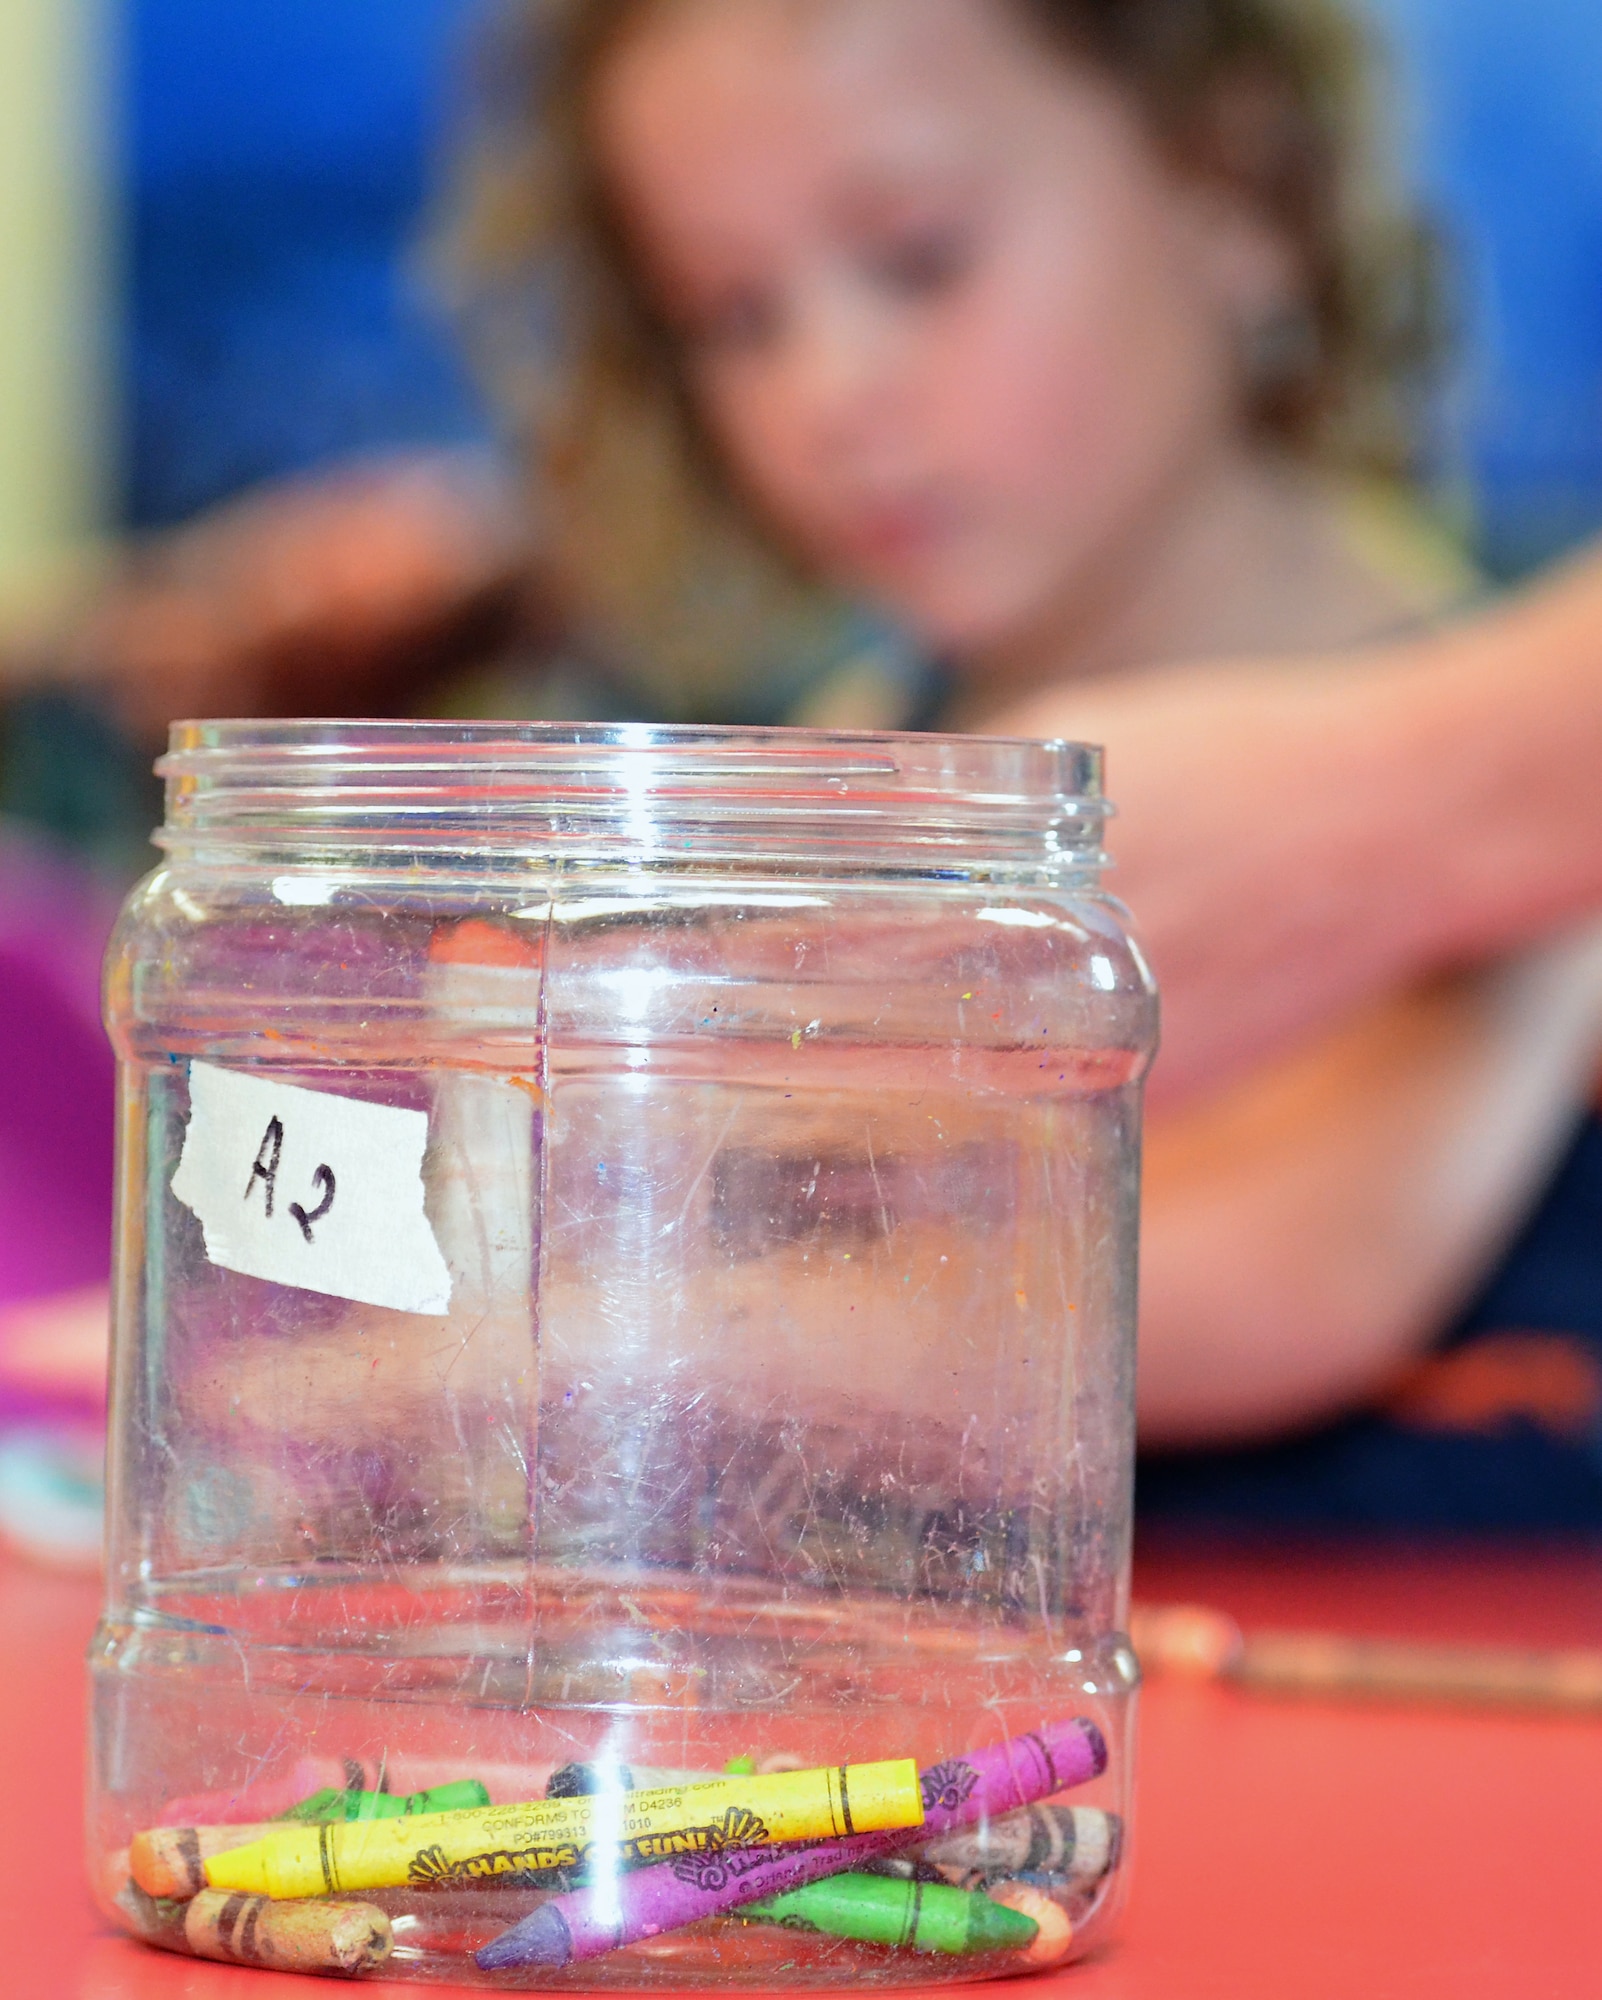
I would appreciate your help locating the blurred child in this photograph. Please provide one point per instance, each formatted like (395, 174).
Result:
(1063, 333)
(1055, 329)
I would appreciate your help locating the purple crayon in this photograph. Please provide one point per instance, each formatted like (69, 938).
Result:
(627, 1907)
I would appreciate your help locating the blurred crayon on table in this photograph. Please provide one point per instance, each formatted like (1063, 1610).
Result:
(1194, 1641)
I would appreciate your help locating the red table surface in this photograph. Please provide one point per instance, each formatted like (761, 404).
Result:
(1297, 1850)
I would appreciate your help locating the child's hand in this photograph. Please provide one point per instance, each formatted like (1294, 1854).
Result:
(1255, 839)
(1298, 837)
(321, 596)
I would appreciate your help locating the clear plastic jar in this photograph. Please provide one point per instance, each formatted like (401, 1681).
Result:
(626, 1261)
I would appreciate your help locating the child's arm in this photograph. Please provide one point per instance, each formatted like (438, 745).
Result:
(331, 594)
(1299, 838)
(1316, 1225)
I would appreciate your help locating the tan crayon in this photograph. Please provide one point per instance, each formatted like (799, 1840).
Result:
(169, 1861)
(287, 1937)
(1190, 1639)
(1079, 1843)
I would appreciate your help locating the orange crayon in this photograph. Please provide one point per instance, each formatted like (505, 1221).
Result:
(1055, 1934)
(170, 1861)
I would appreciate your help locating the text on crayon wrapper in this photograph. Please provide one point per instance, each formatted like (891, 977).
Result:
(309, 1189)
(432, 1867)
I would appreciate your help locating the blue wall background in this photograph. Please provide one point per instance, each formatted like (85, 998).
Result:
(277, 157)
(276, 160)
(1503, 103)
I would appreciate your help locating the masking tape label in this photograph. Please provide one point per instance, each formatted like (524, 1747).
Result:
(305, 1188)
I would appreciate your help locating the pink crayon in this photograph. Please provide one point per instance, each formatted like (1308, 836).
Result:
(268, 1796)
(981, 1785)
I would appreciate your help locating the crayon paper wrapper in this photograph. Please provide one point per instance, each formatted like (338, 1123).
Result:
(518, 1842)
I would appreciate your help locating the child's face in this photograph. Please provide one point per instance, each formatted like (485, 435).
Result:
(959, 330)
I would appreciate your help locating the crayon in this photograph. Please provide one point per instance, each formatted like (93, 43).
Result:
(343, 1938)
(505, 1783)
(904, 1868)
(170, 1861)
(578, 1781)
(155, 1922)
(266, 1798)
(1079, 1843)
(1054, 1933)
(906, 1916)
(1046, 1882)
(303, 1937)
(393, 1771)
(586, 1923)
(491, 1844)
(1191, 1640)
(330, 1806)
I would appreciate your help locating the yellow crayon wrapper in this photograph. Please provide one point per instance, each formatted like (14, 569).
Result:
(484, 1844)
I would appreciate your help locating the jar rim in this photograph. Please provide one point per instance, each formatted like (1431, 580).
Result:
(637, 790)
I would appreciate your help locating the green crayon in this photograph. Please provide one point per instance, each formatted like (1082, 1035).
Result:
(915, 1916)
(331, 1806)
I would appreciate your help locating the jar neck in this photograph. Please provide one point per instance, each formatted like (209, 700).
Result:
(496, 797)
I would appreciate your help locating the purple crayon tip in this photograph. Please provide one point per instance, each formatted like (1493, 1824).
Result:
(542, 1939)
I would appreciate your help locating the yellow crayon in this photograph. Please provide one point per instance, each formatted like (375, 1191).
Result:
(489, 1844)
(170, 1861)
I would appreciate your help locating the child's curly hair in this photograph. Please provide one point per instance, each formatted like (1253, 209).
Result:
(657, 560)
